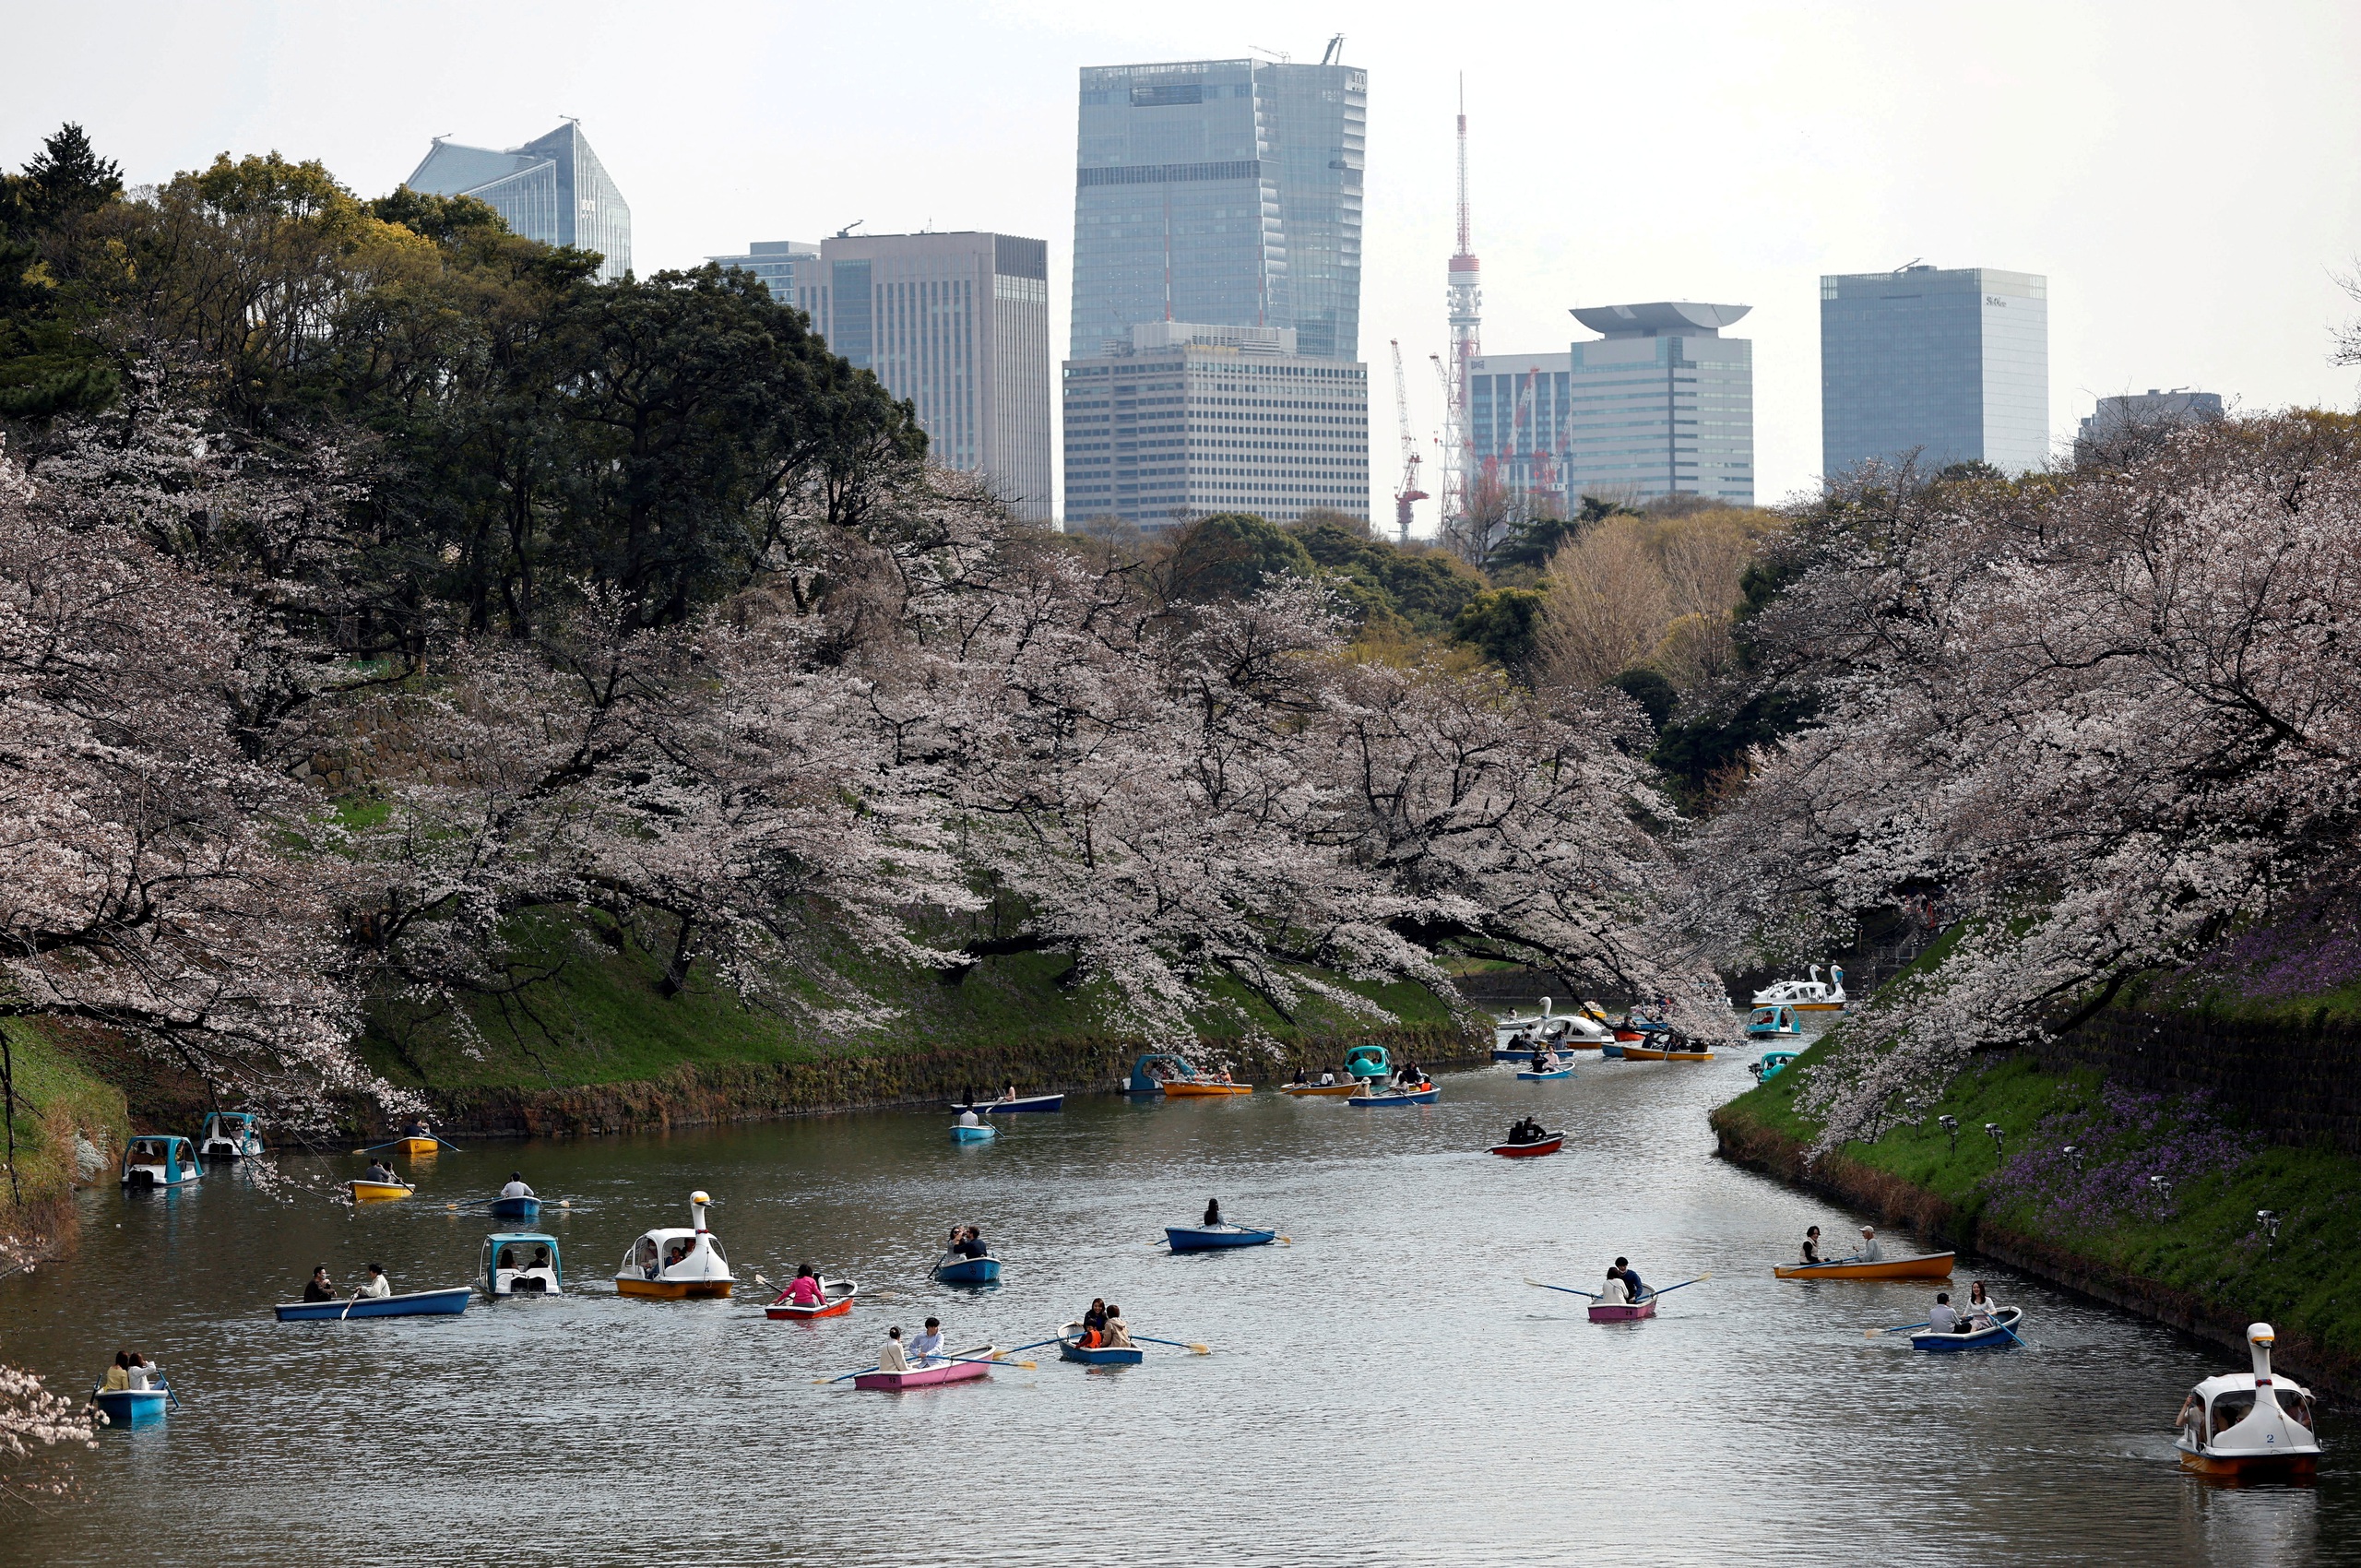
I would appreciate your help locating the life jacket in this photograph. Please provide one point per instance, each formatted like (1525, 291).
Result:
(1090, 1338)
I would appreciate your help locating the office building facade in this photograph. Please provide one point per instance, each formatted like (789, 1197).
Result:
(552, 189)
(2135, 412)
(1224, 193)
(1519, 414)
(1951, 364)
(1660, 404)
(1189, 420)
(782, 265)
(958, 324)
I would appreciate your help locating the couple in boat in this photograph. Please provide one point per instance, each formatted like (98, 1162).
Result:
(1527, 1130)
(924, 1351)
(1624, 1287)
(1103, 1328)
(1977, 1317)
(1870, 1250)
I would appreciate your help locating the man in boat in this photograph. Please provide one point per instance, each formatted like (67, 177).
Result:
(516, 1188)
(892, 1358)
(1942, 1319)
(382, 1172)
(1870, 1251)
(967, 1119)
(318, 1288)
(929, 1344)
(1811, 1245)
(969, 1242)
(376, 1285)
(1632, 1279)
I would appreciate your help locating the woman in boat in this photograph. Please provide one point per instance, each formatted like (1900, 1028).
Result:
(118, 1376)
(1094, 1322)
(376, 1286)
(805, 1289)
(1980, 1307)
(1213, 1211)
(1614, 1293)
(1811, 1245)
(1117, 1334)
(892, 1358)
(318, 1288)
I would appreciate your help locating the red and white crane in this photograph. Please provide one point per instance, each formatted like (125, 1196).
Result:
(1410, 490)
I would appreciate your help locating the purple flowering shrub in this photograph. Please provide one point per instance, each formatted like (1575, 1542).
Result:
(2313, 949)
(2125, 1138)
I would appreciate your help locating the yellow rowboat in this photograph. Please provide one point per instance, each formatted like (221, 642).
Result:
(419, 1148)
(1300, 1090)
(1656, 1053)
(1934, 1266)
(379, 1192)
(670, 1289)
(1178, 1088)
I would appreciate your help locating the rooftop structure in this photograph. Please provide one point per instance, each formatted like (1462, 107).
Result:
(1661, 404)
(552, 189)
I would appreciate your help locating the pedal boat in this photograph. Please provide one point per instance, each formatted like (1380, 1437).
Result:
(971, 1364)
(700, 1269)
(1999, 1336)
(1813, 996)
(835, 1301)
(1070, 1348)
(1549, 1144)
(1623, 1311)
(522, 1263)
(1931, 1265)
(1773, 1063)
(1425, 1094)
(130, 1406)
(229, 1135)
(408, 1303)
(982, 1132)
(1513, 1039)
(153, 1159)
(1210, 1237)
(1774, 1023)
(1306, 1091)
(953, 1269)
(2250, 1424)
(367, 1191)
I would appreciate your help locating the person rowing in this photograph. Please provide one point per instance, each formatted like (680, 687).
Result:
(1942, 1319)
(805, 1289)
(1632, 1279)
(516, 1188)
(1545, 1061)
(929, 1344)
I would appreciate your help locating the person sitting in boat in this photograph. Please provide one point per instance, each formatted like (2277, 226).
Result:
(805, 1289)
(1116, 1334)
(382, 1172)
(1302, 1078)
(929, 1344)
(892, 1358)
(967, 1119)
(318, 1288)
(376, 1285)
(1632, 1279)
(1213, 1211)
(142, 1374)
(1327, 1080)
(1870, 1251)
(1942, 1319)
(1811, 1245)
(1614, 1293)
(416, 1128)
(516, 1188)
(969, 1242)
(1094, 1322)
(1980, 1306)
(118, 1376)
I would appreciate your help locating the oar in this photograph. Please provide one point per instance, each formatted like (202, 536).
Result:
(1567, 1288)
(1037, 1343)
(1897, 1328)
(373, 1148)
(1175, 1343)
(2006, 1330)
(168, 1391)
(1699, 1280)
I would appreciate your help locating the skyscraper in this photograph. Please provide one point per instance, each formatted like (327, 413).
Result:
(1952, 365)
(1224, 193)
(782, 265)
(957, 323)
(553, 189)
(1660, 404)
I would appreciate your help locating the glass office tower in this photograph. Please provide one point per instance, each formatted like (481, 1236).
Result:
(1661, 404)
(1222, 193)
(1951, 364)
(553, 189)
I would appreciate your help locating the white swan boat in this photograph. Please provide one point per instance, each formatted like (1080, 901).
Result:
(1813, 996)
(674, 1264)
(2249, 1423)
(1515, 1039)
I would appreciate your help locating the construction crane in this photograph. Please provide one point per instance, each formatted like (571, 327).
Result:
(1410, 490)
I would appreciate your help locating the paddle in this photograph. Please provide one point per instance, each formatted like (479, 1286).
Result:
(169, 1394)
(1897, 1328)
(1567, 1288)
(1037, 1343)
(1175, 1343)
(1699, 1280)
(2006, 1330)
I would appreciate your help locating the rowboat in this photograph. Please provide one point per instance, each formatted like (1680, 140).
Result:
(521, 1262)
(1932, 1265)
(410, 1303)
(130, 1406)
(1532, 1077)
(1549, 1144)
(835, 1301)
(420, 1146)
(1622, 1311)
(516, 1208)
(1182, 1089)
(1996, 1336)
(1673, 1051)
(1426, 1096)
(378, 1191)
(2249, 1423)
(970, 1364)
(673, 1265)
(1303, 1091)
(160, 1160)
(981, 1132)
(1070, 1348)
(1018, 1103)
(953, 1269)
(229, 1135)
(1206, 1238)
(1612, 1048)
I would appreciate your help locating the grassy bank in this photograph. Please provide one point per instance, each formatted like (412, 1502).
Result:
(56, 1097)
(2156, 1209)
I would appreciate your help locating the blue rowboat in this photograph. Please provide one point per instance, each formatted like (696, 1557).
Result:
(956, 1270)
(1611, 1047)
(413, 1304)
(515, 1208)
(1204, 1238)
(130, 1406)
(1070, 1348)
(1427, 1096)
(1997, 1337)
(1531, 1076)
(974, 1134)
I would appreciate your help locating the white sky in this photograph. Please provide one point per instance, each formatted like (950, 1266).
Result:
(2182, 173)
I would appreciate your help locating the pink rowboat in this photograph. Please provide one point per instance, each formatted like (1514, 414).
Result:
(835, 1301)
(971, 1364)
(1622, 1311)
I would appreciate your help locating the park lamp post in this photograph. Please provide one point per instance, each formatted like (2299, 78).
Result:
(1992, 1131)
(2164, 1188)
(2269, 1219)
(2074, 1158)
(1949, 1126)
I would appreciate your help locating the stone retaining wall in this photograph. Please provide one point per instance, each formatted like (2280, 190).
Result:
(2295, 1084)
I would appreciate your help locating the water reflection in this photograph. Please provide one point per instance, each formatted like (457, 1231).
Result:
(1385, 1390)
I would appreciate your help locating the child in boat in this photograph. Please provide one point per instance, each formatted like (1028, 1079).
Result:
(892, 1358)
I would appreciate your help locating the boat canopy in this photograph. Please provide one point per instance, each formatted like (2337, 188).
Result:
(163, 1158)
(1369, 1061)
(521, 1261)
(1149, 1073)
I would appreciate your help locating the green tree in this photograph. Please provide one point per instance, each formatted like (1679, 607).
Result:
(1231, 555)
(48, 365)
(1504, 624)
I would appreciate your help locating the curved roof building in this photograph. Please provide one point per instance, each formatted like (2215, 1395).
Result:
(552, 189)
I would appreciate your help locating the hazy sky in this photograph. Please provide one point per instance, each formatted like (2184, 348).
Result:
(2184, 175)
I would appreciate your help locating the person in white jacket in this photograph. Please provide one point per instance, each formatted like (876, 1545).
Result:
(376, 1285)
(1614, 1293)
(892, 1358)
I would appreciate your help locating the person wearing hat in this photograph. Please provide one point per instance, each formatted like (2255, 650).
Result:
(377, 1284)
(1870, 1251)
